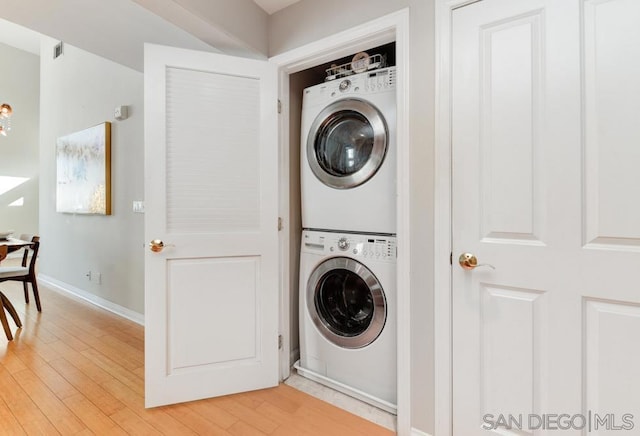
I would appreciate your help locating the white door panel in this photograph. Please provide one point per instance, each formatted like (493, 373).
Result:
(545, 187)
(211, 295)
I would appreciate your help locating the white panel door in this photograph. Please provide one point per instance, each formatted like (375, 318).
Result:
(211, 294)
(546, 152)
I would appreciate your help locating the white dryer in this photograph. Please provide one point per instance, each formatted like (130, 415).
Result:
(348, 314)
(348, 154)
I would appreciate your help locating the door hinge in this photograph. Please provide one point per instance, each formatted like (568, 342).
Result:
(280, 225)
(279, 106)
(279, 342)
(451, 258)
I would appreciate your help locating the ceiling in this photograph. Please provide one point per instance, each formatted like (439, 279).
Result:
(271, 6)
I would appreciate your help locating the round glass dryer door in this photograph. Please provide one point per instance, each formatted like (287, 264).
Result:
(347, 143)
(346, 302)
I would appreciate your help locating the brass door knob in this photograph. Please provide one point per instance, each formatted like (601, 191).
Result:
(469, 261)
(157, 245)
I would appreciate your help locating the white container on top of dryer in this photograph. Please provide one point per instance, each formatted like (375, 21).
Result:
(348, 154)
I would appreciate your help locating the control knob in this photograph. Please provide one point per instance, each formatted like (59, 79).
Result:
(343, 244)
(344, 85)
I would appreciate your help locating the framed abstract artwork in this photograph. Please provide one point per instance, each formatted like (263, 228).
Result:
(83, 163)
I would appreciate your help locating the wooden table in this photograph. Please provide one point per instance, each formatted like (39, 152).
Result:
(12, 245)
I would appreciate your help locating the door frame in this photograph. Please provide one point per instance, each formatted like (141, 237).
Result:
(443, 308)
(391, 27)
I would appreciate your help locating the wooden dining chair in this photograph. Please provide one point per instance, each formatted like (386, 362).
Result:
(25, 259)
(6, 304)
(26, 273)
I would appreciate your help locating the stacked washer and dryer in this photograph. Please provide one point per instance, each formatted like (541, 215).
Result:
(348, 253)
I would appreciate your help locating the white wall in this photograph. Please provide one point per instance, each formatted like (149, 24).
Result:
(80, 90)
(20, 87)
(310, 20)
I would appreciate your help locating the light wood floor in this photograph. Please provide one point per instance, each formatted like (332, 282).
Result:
(77, 370)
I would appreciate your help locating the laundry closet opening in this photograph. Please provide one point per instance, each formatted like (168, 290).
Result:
(352, 78)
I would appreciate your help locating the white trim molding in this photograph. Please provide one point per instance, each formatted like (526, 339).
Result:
(443, 233)
(416, 432)
(389, 28)
(80, 294)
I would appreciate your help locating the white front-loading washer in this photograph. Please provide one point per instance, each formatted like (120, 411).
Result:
(348, 314)
(348, 154)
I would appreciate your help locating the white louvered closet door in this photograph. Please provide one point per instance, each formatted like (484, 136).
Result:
(211, 295)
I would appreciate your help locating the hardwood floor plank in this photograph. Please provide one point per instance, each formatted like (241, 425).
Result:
(8, 423)
(65, 336)
(50, 377)
(289, 424)
(245, 414)
(43, 349)
(11, 362)
(132, 335)
(250, 399)
(195, 421)
(133, 424)
(213, 413)
(116, 371)
(156, 417)
(276, 398)
(241, 428)
(86, 366)
(61, 417)
(89, 389)
(26, 412)
(92, 417)
(117, 351)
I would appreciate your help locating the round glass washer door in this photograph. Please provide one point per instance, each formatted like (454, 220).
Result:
(346, 302)
(347, 143)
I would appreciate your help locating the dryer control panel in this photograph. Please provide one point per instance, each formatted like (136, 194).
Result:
(375, 247)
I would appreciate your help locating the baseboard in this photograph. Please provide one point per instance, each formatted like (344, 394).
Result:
(67, 289)
(416, 432)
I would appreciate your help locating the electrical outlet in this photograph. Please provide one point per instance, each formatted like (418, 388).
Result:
(97, 278)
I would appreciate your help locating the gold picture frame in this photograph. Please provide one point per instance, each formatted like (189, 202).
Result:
(83, 164)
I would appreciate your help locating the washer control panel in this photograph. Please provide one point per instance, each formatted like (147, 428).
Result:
(378, 247)
(375, 247)
(369, 82)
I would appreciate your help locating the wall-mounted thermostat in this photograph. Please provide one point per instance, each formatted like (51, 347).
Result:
(121, 113)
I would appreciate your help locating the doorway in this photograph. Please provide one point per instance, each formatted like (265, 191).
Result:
(298, 69)
(297, 83)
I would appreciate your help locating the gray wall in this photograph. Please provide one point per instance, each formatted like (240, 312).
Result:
(80, 90)
(20, 87)
(310, 20)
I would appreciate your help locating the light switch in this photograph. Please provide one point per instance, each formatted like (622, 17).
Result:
(138, 206)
